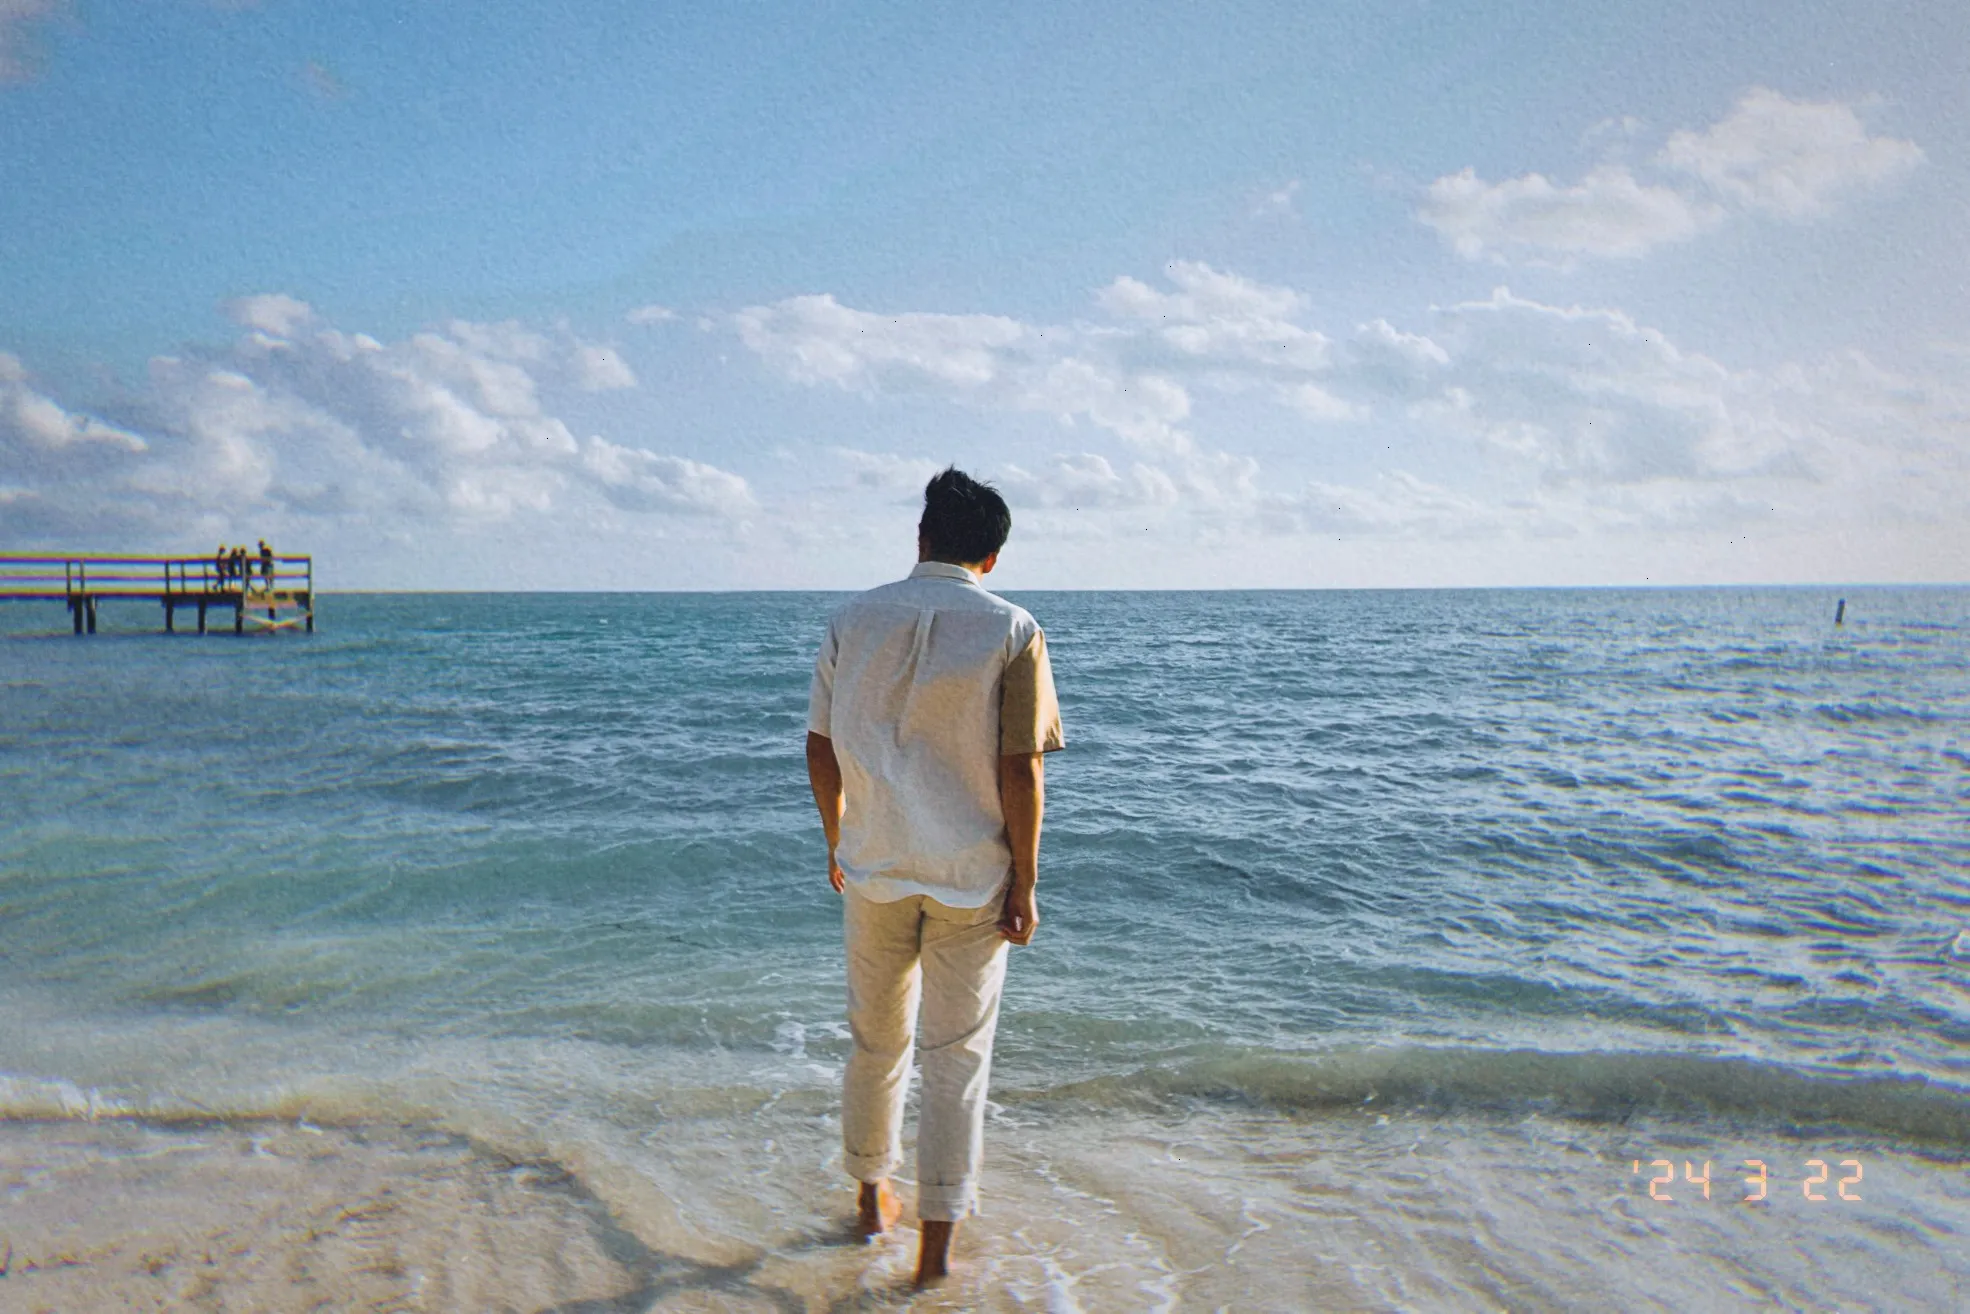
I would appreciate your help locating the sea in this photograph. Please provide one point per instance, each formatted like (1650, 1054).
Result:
(1476, 949)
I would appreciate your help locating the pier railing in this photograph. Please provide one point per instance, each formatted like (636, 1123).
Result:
(83, 580)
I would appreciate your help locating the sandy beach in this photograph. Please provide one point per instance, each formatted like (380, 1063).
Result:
(1249, 1211)
(277, 1215)
(289, 1216)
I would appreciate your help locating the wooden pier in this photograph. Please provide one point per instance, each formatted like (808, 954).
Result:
(274, 594)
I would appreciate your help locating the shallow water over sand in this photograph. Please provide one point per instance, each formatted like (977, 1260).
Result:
(1386, 934)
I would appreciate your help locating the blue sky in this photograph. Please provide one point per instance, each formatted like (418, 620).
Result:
(492, 295)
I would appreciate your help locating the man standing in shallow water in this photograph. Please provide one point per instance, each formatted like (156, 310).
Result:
(931, 708)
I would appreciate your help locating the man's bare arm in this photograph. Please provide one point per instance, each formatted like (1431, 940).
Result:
(1022, 795)
(824, 776)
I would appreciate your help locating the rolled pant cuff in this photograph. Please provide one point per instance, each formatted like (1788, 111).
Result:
(946, 1204)
(870, 1167)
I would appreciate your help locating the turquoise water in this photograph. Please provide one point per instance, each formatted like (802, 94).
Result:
(1508, 886)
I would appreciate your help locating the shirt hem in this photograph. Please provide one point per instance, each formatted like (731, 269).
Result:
(890, 889)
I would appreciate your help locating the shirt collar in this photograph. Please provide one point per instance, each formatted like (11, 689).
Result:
(942, 570)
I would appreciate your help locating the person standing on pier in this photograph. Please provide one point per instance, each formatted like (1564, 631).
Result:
(267, 563)
(931, 707)
(221, 566)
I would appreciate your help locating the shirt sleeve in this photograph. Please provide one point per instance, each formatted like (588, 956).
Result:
(1029, 714)
(821, 693)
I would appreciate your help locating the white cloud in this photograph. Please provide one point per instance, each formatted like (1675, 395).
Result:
(1204, 295)
(1133, 378)
(1316, 403)
(19, 56)
(888, 472)
(985, 360)
(640, 480)
(1220, 480)
(1881, 443)
(1587, 395)
(37, 432)
(1381, 358)
(1502, 418)
(1770, 155)
(1088, 481)
(650, 315)
(1587, 422)
(1398, 503)
(300, 419)
(507, 340)
(495, 493)
(1222, 496)
(1145, 409)
(1609, 213)
(458, 397)
(1789, 158)
(816, 339)
(1215, 317)
(272, 313)
(228, 426)
(600, 369)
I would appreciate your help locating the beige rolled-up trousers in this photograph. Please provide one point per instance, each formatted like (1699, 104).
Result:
(953, 960)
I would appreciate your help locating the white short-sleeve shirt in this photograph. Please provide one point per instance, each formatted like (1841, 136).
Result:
(922, 685)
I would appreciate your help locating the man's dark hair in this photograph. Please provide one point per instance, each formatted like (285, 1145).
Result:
(964, 520)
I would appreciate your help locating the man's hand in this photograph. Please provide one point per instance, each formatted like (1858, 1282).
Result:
(1022, 793)
(824, 775)
(1022, 914)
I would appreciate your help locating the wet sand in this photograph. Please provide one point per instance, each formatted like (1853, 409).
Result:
(277, 1215)
(285, 1216)
(1238, 1209)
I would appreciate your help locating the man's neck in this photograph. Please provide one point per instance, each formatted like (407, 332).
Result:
(978, 569)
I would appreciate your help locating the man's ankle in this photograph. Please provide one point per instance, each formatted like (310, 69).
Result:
(876, 1208)
(934, 1251)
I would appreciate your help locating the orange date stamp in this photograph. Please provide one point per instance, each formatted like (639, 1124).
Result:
(1665, 1189)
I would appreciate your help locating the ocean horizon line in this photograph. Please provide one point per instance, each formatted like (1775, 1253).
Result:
(1939, 586)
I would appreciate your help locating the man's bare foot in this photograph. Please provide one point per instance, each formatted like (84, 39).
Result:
(934, 1253)
(877, 1210)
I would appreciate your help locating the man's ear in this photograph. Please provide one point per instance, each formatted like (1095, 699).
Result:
(985, 566)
